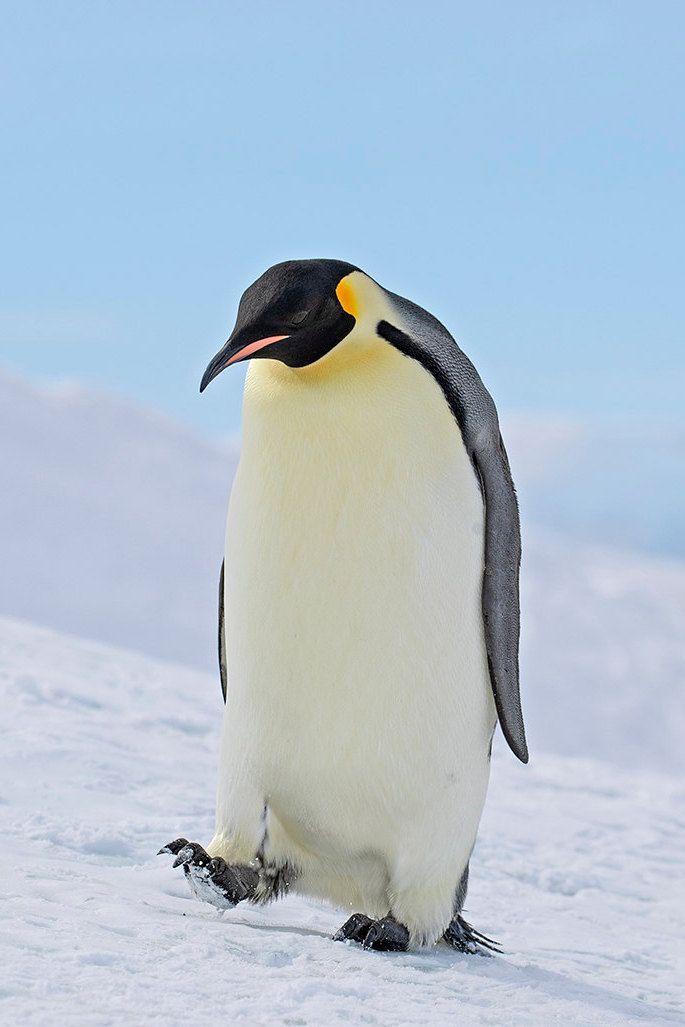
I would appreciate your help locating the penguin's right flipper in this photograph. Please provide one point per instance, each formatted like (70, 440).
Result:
(461, 936)
(212, 880)
(221, 635)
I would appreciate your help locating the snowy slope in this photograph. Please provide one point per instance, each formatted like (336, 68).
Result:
(111, 520)
(603, 653)
(105, 755)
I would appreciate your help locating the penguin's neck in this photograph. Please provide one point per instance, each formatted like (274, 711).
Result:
(348, 420)
(351, 417)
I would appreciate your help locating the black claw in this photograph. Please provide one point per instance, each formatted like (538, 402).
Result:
(354, 929)
(184, 857)
(192, 854)
(173, 847)
(212, 879)
(461, 936)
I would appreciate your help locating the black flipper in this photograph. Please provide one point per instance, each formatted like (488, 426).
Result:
(426, 340)
(221, 635)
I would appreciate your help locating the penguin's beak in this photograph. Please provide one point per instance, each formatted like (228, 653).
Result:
(237, 348)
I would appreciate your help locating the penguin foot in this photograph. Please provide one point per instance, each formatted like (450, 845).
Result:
(384, 935)
(354, 929)
(464, 938)
(212, 880)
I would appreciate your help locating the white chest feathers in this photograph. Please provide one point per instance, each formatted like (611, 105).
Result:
(359, 709)
(355, 536)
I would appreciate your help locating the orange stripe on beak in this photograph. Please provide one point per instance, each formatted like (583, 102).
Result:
(252, 347)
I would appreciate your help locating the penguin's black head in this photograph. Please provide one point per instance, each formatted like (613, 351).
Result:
(296, 312)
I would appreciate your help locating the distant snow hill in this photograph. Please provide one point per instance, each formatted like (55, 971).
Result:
(615, 481)
(105, 756)
(112, 521)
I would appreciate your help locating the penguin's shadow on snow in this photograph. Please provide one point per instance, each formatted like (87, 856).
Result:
(497, 968)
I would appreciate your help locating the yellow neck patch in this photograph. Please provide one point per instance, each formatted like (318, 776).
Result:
(346, 297)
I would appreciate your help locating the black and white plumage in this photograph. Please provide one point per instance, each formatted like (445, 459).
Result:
(369, 610)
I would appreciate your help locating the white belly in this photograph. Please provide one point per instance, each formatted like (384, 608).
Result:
(359, 710)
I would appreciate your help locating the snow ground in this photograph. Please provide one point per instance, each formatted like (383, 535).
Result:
(579, 872)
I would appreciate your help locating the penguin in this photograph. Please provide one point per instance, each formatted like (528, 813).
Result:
(368, 612)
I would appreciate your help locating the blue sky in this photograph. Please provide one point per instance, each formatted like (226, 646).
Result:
(517, 168)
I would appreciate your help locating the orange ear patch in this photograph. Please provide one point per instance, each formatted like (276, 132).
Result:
(347, 298)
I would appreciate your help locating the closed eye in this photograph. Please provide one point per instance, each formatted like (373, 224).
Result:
(299, 317)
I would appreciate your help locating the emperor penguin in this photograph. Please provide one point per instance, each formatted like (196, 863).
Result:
(368, 612)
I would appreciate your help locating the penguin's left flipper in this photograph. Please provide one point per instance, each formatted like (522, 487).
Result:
(212, 880)
(384, 935)
(461, 936)
(221, 636)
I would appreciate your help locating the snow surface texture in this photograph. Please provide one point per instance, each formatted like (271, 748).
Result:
(112, 521)
(105, 756)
